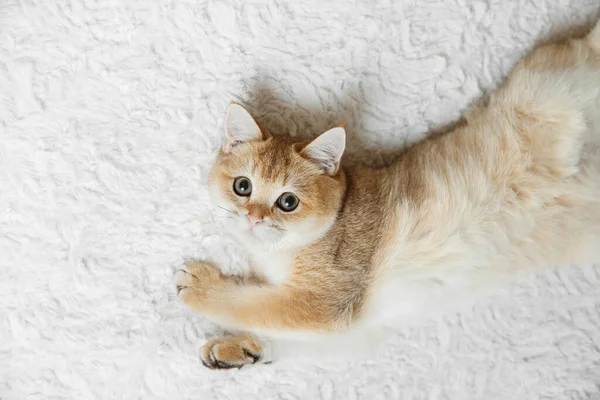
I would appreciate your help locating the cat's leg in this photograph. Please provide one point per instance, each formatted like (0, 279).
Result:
(232, 351)
(246, 348)
(251, 307)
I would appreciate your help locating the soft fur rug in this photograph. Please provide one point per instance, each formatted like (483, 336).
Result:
(110, 116)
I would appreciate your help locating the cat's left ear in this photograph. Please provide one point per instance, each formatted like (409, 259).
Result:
(240, 127)
(327, 150)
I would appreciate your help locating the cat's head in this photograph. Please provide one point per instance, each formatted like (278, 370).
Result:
(274, 190)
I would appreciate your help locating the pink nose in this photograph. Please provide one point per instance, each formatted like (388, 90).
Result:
(254, 220)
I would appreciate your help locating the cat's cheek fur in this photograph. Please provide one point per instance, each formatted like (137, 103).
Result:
(218, 189)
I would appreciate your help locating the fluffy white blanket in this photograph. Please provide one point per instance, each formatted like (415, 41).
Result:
(110, 117)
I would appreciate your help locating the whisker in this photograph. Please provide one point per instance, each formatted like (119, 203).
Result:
(223, 208)
(278, 228)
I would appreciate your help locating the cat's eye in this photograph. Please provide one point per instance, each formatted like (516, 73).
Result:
(288, 202)
(242, 186)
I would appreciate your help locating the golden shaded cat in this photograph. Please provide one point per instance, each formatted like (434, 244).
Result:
(341, 254)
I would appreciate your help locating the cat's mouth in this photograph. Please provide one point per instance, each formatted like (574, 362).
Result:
(267, 231)
(266, 227)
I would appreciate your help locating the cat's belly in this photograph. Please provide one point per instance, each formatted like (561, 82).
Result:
(482, 257)
(402, 298)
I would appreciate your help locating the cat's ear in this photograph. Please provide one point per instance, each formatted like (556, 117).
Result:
(327, 150)
(240, 127)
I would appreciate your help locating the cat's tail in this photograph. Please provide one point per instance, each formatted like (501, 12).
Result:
(593, 37)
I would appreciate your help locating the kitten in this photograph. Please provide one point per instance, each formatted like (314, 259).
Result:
(342, 254)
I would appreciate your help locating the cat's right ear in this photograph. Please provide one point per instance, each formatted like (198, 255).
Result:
(240, 127)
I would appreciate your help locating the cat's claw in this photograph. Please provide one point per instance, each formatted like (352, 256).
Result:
(183, 280)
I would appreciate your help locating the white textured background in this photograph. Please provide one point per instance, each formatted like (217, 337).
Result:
(110, 116)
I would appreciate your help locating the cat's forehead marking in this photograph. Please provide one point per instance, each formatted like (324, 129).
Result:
(274, 161)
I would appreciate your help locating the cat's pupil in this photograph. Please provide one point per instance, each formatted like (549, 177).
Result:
(289, 201)
(244, 186)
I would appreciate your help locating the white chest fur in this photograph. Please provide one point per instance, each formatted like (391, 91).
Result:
(274, 266)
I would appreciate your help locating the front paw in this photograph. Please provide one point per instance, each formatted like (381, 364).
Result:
(197, 281)
(231, 352)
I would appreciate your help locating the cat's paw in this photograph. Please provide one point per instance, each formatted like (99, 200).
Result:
(194, 281)
(231, 352)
